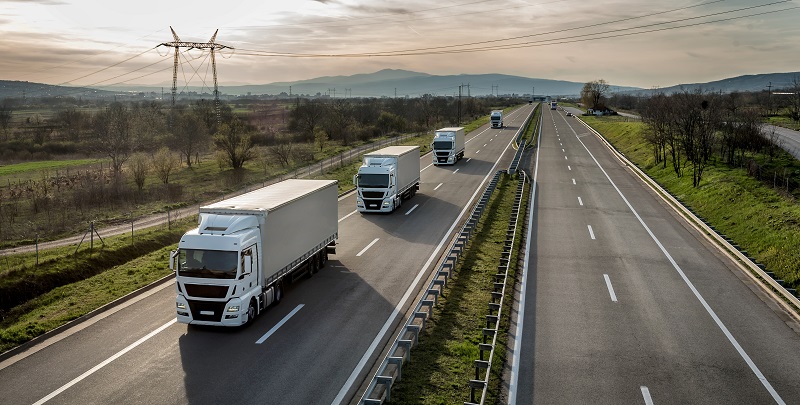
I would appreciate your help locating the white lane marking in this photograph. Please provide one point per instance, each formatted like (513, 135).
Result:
(580, 201)
(456, 171)
(688, 282)
(105, 362)
(591, 232)
(573, 181)
(275, 328)
(477, 151)
(610, 288)
(368, 246)
(515, 359)
(562, 149)
(565, 157)
(646, 395)
(560, 144)
(426, 167)
(412, 208)
(413, 287)
(468, 160)
(437, 187)
(347, 216)
(484, 145)
(569, 167)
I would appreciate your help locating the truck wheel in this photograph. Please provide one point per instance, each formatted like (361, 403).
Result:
(278, 294)
(251, 312)
(315, 264)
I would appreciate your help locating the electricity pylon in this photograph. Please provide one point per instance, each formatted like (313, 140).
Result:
(212, 46)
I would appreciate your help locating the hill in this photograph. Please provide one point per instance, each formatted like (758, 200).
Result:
(743, 83)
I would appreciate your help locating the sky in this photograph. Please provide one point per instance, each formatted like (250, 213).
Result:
(104, 43)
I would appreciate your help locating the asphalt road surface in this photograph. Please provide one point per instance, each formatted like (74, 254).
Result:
(625, 303)
(316, 347)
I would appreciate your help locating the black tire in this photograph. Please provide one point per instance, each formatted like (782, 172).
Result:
(314, 264)
(278, 294)
(251, 312)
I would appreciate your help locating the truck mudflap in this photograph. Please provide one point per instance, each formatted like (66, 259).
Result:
(331, 248)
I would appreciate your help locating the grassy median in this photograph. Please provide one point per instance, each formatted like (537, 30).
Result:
(442, 363)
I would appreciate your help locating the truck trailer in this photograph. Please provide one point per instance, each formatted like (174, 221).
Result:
(246, 248)
(496, 118)
(386, 178)
(448, 145)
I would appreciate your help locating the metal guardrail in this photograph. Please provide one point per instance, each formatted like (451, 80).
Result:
(483, 367)
(390, 369)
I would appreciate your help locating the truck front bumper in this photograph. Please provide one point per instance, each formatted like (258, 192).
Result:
(374, 205)
(212, 313)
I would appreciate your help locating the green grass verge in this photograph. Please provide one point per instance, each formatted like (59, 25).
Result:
(65, 303)
(442, 363)
(19, 168)
(754, 215)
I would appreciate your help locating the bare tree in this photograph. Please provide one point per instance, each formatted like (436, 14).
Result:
(189, 135)
(281, 150)
(593, 94)
(164, 163)
(113, 135)
(234, 144)
(139, 165)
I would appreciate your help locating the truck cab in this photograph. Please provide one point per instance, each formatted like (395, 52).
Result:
(496, 118)
(377, 185)
(217, 271)
(448, 145)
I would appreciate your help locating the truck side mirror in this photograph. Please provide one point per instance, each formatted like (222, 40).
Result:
(355, 179)
(173, 256)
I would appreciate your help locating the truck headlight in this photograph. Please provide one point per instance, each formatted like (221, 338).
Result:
(181, 305)
(385, 203)
(233, 308)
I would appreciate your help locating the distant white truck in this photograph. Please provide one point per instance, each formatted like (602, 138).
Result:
(386, 178)
(496, 118)
(448, 145)
(246, 248)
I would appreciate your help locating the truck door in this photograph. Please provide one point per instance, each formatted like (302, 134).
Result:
(249, 277)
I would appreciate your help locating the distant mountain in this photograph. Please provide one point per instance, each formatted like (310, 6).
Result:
(744, 83)
(20, 89)
(387, 83)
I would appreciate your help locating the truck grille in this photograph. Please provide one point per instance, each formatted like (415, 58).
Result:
(213, 310)
(442, 157)
(372, 194)
(206, 291)
(372, 204)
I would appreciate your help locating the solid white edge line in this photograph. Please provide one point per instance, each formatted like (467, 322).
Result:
(610, 288)
(279, 324)
(348, 215)
(368, 246)
(105, 362)
(515, 358)
(646, 395)
(691, 286)
(437, 187)
(591, 232)
(412, 208)
(412, 288)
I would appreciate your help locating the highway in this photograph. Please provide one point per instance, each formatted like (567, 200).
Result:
(623, 302)
(316, 347)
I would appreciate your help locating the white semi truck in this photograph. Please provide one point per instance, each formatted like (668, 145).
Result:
(246, 248)
(386, 178)
(496, 118)
(448, 145)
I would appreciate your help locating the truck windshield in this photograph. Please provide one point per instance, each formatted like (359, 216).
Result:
(439, 145)
(207, 263)
(373, 180)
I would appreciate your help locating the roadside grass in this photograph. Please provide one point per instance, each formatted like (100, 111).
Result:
(19, 168)
(533, 128)
(783, 121)
(755, 216)
(441, 364)
(68, 302)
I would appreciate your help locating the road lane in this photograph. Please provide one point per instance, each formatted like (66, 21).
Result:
(660, 338)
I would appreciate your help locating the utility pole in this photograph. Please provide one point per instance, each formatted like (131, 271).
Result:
(769, 99)
(210, 45)
(459, 103)
(290, 91)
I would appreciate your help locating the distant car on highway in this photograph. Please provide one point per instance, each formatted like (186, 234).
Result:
(569, 114)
